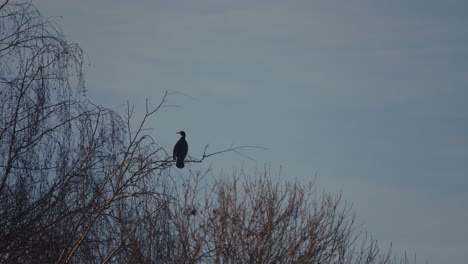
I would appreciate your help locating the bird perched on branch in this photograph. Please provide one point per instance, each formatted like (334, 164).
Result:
(180, 150)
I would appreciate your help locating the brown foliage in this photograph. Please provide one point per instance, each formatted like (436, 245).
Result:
(262, 219)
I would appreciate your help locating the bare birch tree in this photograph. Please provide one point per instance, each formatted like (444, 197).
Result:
(76, 180)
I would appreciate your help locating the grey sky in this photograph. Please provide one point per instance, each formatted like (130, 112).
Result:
(370, 95)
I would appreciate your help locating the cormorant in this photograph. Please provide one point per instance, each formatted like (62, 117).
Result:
(180, 150)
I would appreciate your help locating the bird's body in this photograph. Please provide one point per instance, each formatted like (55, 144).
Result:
(180, 150)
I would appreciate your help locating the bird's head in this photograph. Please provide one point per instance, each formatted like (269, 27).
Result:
(182, 133)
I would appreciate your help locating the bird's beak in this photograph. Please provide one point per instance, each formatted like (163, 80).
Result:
(177, 133)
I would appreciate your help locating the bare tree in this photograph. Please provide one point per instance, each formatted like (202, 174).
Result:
(76, 180)
(263, 219)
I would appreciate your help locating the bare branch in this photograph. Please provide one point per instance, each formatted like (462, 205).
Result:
(231, 149)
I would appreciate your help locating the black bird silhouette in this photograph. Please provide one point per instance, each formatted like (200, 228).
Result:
(180, 150)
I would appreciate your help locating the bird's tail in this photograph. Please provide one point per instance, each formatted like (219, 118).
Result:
(180, 164)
